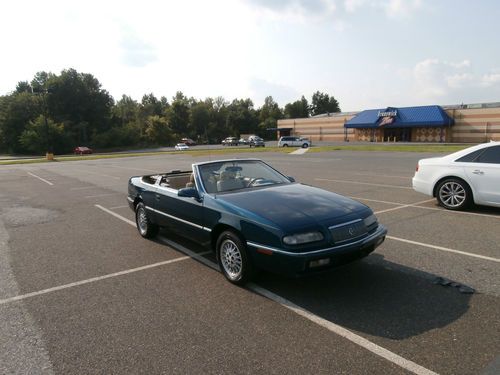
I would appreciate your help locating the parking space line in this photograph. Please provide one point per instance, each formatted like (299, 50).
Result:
(415, 205)
(365, 183)
(118, 207)
(403, 206)
(91, 280)
(130, 222)
(102, 195)
(339, 330)
(382, 175)
(443, 249)
(100, 174)
(345, 333)
(41, 179)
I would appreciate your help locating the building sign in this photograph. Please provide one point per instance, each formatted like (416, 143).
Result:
(388, 113)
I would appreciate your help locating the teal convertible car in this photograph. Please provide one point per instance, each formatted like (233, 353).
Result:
(254, 217)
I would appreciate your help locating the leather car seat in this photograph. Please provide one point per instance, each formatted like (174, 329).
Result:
(190, 184)
(228, 181)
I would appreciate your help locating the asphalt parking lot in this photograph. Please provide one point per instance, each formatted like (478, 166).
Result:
(82, 292)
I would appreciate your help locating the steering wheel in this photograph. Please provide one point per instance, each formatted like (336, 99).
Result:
(252, 182)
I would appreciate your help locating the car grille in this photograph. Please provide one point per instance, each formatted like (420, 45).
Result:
(348, 231)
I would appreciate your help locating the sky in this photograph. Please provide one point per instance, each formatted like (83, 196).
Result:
(365, 53)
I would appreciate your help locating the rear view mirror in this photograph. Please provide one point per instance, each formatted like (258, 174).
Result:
(290, 178)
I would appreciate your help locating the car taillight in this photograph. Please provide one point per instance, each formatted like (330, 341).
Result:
(416, 169)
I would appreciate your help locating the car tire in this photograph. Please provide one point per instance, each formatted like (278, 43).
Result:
(454, 194)
(285, 145)
(146, 228)
(232, 257)
(305, 145)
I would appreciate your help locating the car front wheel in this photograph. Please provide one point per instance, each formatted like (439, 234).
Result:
(305, 145)
(145, 227)
(454, 194)
(232, 258)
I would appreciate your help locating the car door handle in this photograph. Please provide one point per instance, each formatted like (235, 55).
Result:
(157, 196)
(477, 171)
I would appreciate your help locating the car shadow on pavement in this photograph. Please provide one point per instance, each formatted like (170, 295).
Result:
(374, 296)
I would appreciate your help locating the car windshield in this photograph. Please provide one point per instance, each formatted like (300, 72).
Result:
(220, 177)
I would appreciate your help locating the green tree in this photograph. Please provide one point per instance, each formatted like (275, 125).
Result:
(199, 118)
(269, 114)
(297, 109)
(43, 134)
(157, 131)
(78, 101)
(241, 117)
(178, 115)
(16, 112)
(323, 103)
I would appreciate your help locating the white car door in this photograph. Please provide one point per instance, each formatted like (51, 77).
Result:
(484, 175)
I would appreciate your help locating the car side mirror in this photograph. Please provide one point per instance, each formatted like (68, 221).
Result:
(189, 192)
(290, 178)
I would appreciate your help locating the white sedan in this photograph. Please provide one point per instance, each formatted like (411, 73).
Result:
(181, 147)
(466, 176)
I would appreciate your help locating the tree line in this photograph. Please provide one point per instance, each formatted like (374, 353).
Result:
(55, 113)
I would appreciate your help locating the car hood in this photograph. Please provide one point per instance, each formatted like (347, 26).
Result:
(294, 206)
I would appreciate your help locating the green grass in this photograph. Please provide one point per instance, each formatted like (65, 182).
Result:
(438, 148)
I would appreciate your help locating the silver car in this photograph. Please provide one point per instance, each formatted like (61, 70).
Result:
(294, 142)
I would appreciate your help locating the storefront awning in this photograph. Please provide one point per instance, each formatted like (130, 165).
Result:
(407, 117)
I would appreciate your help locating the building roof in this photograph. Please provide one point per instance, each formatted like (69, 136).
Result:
(392, 117)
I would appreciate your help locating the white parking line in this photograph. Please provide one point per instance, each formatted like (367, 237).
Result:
(99, 174)
(364, 183)
(345, 333)
(102, 195)
(41, 179)
(443, 249)
(403, 206)
(93, 280)
(414, 205)
(356, 339)
(118, 207)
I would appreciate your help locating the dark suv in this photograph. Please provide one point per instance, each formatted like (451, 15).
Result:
(255, 141)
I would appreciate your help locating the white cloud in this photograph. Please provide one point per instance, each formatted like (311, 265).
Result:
(435, 80)
(352, 6)
(401, 8)
(491, 79)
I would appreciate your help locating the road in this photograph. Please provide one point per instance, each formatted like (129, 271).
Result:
(82, 292)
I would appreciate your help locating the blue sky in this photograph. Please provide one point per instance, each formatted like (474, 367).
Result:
(366, 53)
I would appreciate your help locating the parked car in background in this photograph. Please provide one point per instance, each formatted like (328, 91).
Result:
(181, 147)
(294, 142)
(82, 150)
(253, 217)
(243, 141)
(255, 141)
(188, 141)
(464, 177)
(230, 141)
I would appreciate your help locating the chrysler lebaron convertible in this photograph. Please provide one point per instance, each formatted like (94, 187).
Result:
(255, 218)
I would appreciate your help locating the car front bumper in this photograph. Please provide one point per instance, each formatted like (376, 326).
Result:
(297, 263)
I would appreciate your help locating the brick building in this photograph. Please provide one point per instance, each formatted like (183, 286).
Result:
(465, 123)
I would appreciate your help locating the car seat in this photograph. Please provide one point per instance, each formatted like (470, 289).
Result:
(228, 181)
(190, 184)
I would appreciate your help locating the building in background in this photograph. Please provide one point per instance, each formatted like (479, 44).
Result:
(464, 123)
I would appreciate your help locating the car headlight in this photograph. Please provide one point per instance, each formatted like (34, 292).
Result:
(370, 220)
(297, 239)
